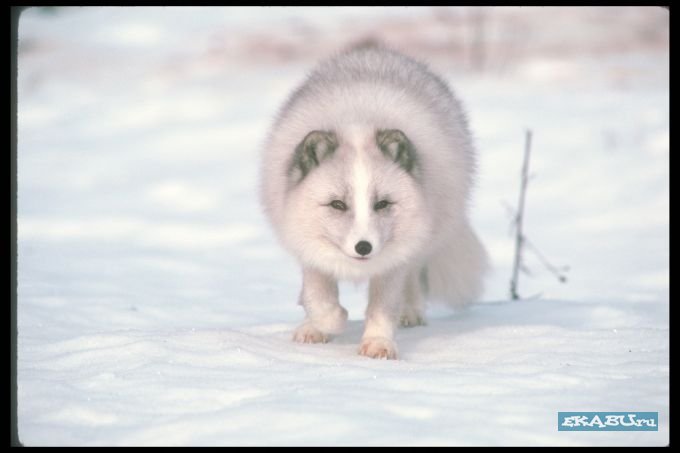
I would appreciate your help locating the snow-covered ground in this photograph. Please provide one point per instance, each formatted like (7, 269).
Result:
(156, 308)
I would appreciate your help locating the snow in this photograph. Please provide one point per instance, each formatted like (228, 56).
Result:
(155, 306)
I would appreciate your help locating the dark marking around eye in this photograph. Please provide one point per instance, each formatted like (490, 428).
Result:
(339, 205)
(382, 204)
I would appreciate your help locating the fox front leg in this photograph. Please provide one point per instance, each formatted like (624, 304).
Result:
(382, 315)
(413, 307)
(324, 315)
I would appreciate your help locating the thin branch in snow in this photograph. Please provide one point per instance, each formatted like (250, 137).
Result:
(557, 271)
(519, 237)
(521, 241)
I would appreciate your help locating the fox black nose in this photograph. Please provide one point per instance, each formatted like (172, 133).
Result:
(363, 248)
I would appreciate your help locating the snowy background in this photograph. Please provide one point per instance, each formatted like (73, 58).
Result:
(156, 308)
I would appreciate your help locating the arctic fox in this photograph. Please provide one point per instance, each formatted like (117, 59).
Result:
(366, 174)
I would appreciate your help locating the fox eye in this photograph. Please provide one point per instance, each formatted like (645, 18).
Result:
(382, 204)
(339, 205)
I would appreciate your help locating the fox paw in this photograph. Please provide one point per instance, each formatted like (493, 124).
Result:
(411, 318)
(412, 321)
(306, 333)
(378, 348)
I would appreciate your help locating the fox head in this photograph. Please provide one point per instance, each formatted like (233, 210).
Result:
(355, 205)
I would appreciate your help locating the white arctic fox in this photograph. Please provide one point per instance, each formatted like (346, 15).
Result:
(365, 175)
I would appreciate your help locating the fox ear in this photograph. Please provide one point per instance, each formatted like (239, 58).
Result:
(314, 148)
(397, 147)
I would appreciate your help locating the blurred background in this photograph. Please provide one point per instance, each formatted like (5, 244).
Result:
(141, 243)
(139, 131)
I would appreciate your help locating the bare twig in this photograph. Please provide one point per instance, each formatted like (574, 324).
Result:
(521, 241)
(519, 237)
(559, 272)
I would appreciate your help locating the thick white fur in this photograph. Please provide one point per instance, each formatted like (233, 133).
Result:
(425, 232)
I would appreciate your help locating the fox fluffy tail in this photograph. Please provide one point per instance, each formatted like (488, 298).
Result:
(455, 273)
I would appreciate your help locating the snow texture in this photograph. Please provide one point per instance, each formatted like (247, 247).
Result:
(156, 308)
